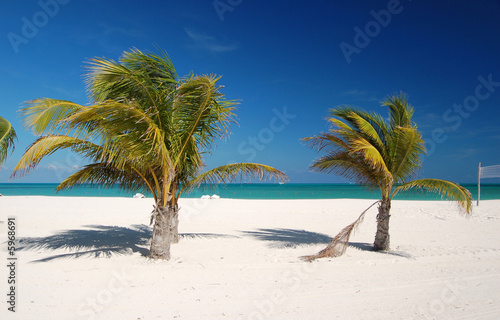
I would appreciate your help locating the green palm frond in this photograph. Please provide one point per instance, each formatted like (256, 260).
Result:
(123, 126)
(370, 153)
(351, 167)
(406, 148)
(159, 67)
(47, 145)
(237, 171)
(447, 189)
(400, 110)
(44, 115)
(327, 142)
(200, 116)
(340, 124)
(367, 129)
(103, 174)
(7, 137)
(149, 79)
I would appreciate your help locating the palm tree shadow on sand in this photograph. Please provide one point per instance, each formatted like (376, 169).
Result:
(99, 241)
(288, 238)
(291, 238)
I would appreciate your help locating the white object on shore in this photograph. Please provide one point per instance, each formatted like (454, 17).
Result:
(139, 195)
(206, 196)
(486, 172)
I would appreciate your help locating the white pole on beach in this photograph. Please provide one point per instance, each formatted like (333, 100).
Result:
(479, 183)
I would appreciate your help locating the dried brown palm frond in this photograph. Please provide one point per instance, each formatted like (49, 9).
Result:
(338, 245)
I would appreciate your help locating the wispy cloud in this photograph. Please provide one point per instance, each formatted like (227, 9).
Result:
(354, 93)
(467, 153)
(58, 167)
(360, 95)
(209, 43)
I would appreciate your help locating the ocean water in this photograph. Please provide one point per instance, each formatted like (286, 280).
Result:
(246, 191)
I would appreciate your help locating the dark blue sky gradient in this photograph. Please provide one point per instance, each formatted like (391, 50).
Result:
(277, 58)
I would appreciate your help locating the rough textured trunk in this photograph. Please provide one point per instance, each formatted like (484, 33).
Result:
(174, 225)
(382, 238)
(162, 232)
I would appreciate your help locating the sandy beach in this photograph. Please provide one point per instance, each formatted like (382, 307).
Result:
(83, 258)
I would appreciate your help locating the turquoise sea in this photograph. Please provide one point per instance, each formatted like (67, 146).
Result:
(245, 191)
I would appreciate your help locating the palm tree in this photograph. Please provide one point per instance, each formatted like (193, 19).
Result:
(147, 129)
(7, 137)
(378, 154)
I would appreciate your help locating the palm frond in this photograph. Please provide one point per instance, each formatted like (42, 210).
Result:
(361, 133)
(405, 150)
(400, 110)
(368, 130)
(7, 137)
(340, 242)
(237, 171)
(124, 127)
(47, 145)
(370, 153)
(103, 174)
(44, 115)
(350, 166)
(200, 116)
(327, 142)
(137, 75)
(447, 189)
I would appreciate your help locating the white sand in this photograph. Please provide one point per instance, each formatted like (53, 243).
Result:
(239, 259)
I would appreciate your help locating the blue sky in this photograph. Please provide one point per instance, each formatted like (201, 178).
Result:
(287, 62)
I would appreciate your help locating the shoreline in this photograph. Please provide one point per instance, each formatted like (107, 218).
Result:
(474, 201)
(249, 191)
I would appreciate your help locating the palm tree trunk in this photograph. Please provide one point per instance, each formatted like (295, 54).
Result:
(174, 225)
(382, 238)
(162, 232)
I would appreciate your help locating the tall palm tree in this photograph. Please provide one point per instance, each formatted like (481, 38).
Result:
(378, 154)
(146, 129)
(7, 137)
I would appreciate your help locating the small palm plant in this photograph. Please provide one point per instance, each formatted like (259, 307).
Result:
(147, 130)
(7, 137)
(377, 154)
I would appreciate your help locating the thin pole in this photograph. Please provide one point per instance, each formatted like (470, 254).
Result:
(479, 183)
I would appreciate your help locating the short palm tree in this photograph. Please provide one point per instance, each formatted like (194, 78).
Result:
(378, 154)
(7, 137)
(146, 130)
